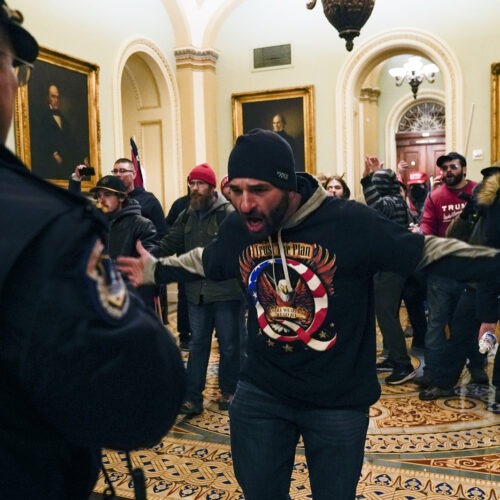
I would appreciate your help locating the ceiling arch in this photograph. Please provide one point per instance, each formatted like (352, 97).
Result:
(196, 22)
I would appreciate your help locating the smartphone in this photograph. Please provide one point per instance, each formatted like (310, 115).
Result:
(87, 171)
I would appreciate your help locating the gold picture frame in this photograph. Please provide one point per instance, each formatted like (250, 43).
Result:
(495, 112)
(51, 141)
(295, 105)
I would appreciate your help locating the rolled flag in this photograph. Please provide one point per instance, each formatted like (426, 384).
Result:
(139, 178)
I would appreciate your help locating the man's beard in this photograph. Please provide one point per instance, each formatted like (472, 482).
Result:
(271, 222)
(454, 180)
(200, 202)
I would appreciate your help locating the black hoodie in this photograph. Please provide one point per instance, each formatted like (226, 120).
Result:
(311, 326)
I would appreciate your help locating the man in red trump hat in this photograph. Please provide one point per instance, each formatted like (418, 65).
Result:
(211, 304)
(418, 190)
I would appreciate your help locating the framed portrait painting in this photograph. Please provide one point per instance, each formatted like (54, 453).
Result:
(495, 112)
(288, 111)
(56, 118)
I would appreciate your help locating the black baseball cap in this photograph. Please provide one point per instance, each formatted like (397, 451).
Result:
(110, 183)
(451, 156)
(25, 46)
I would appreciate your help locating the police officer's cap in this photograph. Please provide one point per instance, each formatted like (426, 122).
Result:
(25, 46)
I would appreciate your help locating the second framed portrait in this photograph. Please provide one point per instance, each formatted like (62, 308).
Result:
(56, 117)
(288, 111)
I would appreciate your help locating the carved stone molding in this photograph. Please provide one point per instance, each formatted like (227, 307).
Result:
(196, 59)
(369, 94)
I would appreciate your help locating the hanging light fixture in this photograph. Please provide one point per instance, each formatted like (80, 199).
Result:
(414, 72)
(346, 16)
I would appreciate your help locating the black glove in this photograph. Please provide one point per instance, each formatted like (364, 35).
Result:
(469, 211)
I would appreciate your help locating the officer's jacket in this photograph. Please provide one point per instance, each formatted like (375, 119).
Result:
(83, 363)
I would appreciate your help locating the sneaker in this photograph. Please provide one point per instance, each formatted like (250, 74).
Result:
(400, 375)
(423, 381)
(191, 409)
(478, 376)
(386, 365)
(225, 401)
(433, 393)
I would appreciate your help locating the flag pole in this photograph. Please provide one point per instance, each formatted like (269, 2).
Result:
(139, 178)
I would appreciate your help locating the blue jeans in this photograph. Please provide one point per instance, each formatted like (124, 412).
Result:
(264, 435)
(225, 317)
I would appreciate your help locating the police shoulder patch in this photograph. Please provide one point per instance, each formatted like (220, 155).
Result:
(108, 291)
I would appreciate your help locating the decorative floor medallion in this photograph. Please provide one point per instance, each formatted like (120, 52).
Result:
(443, 449)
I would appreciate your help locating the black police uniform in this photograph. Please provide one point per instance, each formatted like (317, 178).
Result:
(83, 363)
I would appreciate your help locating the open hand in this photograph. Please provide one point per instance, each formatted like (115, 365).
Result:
(372, 164)
(133, 267)
(402, 166)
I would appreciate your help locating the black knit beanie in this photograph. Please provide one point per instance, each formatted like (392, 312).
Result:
(263, 154)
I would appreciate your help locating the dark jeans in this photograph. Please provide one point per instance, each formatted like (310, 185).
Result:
(462, 345)
(414, 296)
(443, 295)
(496, 370)
(225, 317)
(264, 435)
(182, 314)
(388, 289)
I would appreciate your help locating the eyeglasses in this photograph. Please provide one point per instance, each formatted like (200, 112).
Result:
(120, 171)
(22, 70)
(453, 166)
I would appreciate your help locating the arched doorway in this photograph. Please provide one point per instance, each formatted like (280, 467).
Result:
(361, 63)
(147, 108)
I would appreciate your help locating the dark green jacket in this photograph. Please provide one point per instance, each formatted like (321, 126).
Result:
(190, 231)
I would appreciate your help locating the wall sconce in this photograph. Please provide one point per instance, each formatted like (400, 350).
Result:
(346, 16)
(414, 72)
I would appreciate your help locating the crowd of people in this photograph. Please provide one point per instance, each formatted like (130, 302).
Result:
(444, 313)
(289, 274)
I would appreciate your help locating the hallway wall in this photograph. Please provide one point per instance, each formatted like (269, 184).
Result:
(96, 31)
(318, 53)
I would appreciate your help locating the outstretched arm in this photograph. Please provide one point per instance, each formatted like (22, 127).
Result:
(146, 269)
(138, 269)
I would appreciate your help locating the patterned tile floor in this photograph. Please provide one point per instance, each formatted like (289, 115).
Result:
(444, 449)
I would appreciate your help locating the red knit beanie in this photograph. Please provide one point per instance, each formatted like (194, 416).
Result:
(203, 173)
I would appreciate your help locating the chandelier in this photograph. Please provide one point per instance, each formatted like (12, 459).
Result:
(414, 72)
(346, 16)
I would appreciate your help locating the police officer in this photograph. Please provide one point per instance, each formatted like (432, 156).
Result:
(83, 363)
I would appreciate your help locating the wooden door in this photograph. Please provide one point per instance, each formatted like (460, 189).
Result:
(420, 150)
